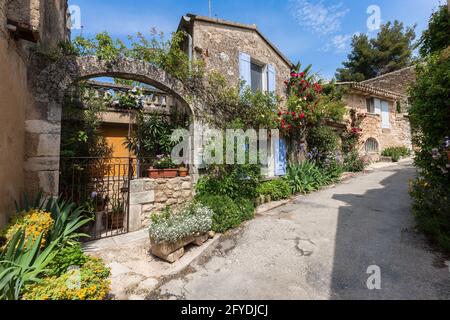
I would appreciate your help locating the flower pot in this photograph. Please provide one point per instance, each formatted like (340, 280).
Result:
(155, 173)
(170, 173)
(183, 172)
(448, 155)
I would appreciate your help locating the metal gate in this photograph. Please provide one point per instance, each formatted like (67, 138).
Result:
(102, 187)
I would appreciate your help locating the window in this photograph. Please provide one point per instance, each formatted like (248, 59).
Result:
(372, 146)
(370, 105)
(257, 73)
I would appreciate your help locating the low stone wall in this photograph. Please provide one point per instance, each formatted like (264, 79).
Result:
(148, 196)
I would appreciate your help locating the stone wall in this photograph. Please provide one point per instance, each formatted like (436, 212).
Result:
(149, 196)
(13, 99)
(17, 100)
(398, 135)
(220, 46)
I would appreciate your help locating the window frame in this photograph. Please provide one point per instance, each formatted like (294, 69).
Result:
(264, 75)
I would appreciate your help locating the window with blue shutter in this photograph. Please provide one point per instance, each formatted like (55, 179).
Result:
(271, 79)
(245, 68)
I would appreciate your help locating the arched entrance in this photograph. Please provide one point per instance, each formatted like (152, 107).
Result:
(44, 121)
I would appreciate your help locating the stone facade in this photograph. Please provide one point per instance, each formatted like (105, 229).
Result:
(399, 134)
(16, 94)
(149, 196)
(219, 43)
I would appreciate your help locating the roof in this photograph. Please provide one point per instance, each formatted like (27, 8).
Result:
(360, 86)
(387, 74)
(252, 27)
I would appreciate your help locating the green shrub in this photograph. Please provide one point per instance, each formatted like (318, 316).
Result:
(90, 282)
(396, 153)
(308, 177)
(276, 189)
(67, 257)
(430, 118)
(354, 163)
(324, 141)
(247, 208)
(431, 207)
(22, 262)
(227, 213)
(171, 227)
(240, 181)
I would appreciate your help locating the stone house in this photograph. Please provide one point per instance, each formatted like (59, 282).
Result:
(384, 100)
(240, 52)
(24, 25)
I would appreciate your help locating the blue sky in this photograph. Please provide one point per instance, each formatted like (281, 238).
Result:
(313, 32)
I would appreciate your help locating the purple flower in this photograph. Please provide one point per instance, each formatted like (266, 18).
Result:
(94, 195)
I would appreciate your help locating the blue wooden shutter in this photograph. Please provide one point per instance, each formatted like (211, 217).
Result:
(271, 79)
(245, 68)
(280, 158)
(377, 103)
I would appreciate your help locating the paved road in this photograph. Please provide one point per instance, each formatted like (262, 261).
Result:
(320, 247)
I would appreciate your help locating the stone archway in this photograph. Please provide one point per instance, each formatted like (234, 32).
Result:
(43, 124)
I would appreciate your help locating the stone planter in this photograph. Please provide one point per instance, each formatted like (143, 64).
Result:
(172, 252)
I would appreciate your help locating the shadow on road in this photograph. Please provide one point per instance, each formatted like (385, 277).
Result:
(376, 229)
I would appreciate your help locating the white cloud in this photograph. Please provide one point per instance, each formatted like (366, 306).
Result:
(319, 17)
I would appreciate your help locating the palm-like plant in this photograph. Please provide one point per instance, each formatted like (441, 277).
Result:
(22, 262)
(68, 217)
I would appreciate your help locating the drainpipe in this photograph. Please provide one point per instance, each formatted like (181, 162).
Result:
(190, 43)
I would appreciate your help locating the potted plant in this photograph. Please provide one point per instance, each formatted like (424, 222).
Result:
(183, 171)
(116, 216)
(170, 232)
(163, 167)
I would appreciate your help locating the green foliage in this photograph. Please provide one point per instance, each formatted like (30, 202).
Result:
(324, 141)
(430, 118)
(277, 189)
(431, 207)
(90, 282)
(247, 208)
(80, 136)
(166, 54)
(360, 64)
(152, 136)
(308, 176)
(22, 262)
(169, 227)
(391, 50)
(225, 104)
(353, 162)
(238, 181)
(68, 217)
(228, 213)
(68, 256)
(396, 153)
(437, 36)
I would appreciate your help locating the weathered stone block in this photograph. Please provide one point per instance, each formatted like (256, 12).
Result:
(137, 186)
(135, 217)
(142, 197)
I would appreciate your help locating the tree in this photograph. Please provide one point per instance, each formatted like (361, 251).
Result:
(360, 64)
(437, 36)
(391, 50)
(393, 47)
